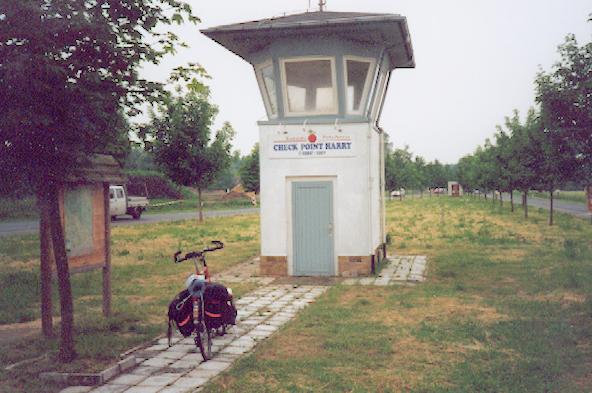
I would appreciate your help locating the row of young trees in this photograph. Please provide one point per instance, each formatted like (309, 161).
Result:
(551, 146)
(405, 170)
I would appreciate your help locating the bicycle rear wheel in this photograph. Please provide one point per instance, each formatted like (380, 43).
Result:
(203, 340)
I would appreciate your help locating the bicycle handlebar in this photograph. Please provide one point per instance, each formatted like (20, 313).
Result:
(194, 254)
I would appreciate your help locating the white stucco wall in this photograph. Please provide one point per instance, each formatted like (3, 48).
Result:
(355, 174)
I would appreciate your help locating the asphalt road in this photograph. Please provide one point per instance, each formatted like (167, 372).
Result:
(573, 208)
(32, 226)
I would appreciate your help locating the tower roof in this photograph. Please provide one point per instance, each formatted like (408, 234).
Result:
(387, 30)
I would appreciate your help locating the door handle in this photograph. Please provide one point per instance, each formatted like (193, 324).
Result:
(330, 229)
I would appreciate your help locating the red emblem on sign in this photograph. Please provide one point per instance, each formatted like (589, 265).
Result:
(312, 138)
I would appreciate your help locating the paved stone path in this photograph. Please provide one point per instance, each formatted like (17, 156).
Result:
(181, 369)
(401, 269)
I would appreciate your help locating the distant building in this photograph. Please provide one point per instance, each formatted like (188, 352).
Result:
(455, 189)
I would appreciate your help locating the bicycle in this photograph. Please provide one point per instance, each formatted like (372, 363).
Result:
(196, 285)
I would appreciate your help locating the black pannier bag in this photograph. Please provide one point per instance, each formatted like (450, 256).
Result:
(181, 313)
(219, 309)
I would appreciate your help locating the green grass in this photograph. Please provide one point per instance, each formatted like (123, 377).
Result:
(26, 208)
(144, 280)
(18, 208)
(507, 308)
(569, 196)
(191, 204)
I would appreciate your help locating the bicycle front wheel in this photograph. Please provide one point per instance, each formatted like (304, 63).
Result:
(203, 340)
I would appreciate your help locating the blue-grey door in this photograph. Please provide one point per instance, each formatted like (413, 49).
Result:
(312, 228)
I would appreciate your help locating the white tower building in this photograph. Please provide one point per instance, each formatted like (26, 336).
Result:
(323, 77)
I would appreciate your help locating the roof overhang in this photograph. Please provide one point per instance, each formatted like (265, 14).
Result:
(389, 31)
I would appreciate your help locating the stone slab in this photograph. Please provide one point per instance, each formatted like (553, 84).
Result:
(110, 372)
(77, 389)
(110, 388)
(144, 389)
(157, 362)
(145, 370)
(128, 379)
(160, 380)
(190, 382)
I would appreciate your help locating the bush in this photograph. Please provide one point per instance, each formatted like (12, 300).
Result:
(152, 184)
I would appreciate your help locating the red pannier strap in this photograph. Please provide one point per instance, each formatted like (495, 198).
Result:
(212, 315)
(184, 322)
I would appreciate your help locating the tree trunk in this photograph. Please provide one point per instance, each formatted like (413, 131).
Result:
(67, 352)
(107, 266)
(45, 266)
(512, 201)
(525, 203)
(589, 199)
(501, 199)
(551, 208)
(199, 204)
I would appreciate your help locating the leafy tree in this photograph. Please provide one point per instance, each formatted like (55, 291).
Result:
(555, 165)
(402, 171)
(140, 159)
(468, 172)
(182, 144)
(249, 172)
(67, 71)
(229, 176)
(524, 153)
(420, 175)
(565, 96)
(436, 174)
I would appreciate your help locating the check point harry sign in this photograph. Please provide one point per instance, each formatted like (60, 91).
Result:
(312, 144)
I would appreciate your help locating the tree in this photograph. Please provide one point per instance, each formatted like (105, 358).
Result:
(249, 172)
(524, 153)
(565, 96)
(467, 172)
(229, 177)
(436, 174)
(182, 144)
(68, 69)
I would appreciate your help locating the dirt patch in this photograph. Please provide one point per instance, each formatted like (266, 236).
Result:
(509, 255)
(17, 331)
(9, 264)
(565, 298)
(293, 345)
(141, 299)
(436, 309)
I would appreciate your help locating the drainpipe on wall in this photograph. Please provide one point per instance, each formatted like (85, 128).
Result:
(382, 167)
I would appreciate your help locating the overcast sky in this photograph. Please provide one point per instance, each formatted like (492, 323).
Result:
(475, 62)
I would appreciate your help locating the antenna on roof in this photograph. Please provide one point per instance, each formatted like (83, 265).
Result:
(322, 4)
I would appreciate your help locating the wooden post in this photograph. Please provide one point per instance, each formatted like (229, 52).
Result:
(550, 207)
(45, 268)
(107, 266)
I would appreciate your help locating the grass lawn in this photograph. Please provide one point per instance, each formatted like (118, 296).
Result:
(18, 208)
(507, 308)
(144, 280)
(568, 196)
(191, 204)
(26, 208)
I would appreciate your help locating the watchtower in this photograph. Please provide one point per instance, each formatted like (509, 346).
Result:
(323, 77)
